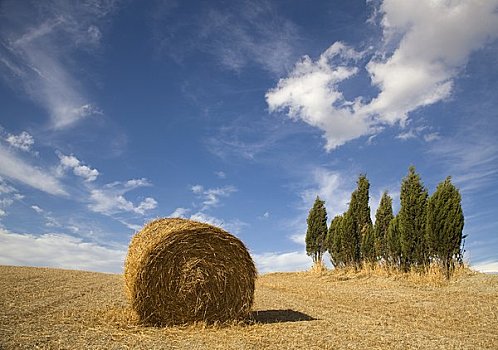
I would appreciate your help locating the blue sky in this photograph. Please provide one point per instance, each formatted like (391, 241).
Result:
(237, 113)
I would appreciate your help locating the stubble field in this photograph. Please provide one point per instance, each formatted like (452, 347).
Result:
(63, 309)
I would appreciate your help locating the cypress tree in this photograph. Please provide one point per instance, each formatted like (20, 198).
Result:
(356, 221)
(362, 209)
(383, 218)
(444, 225)
(317, 230)
(368, 246)
(411, 220)
(393, 244)
(350, 240)
(334, 242)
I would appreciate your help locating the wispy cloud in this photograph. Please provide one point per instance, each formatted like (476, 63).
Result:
(110, 199)
(282, 262)
(486, 266)
(17, 169)
(58, 250)
(221, 175)
(211, 196)
(37, 209)
(5, 187)
(234, 226)
(469, 157)
(237, 34)
(432, 43)
(35, 42)
(330, 186)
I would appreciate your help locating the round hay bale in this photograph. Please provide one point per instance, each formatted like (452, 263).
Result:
(179, 271)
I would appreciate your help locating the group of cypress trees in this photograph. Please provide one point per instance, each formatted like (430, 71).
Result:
(426, 230)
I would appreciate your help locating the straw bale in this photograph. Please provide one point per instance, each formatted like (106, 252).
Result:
(179, 271)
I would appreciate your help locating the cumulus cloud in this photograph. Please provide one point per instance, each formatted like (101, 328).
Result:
(60, 251)
(23, 141)
(73, 163)
(19, 170)
(110, 199)
(311, 94)
(432, 42)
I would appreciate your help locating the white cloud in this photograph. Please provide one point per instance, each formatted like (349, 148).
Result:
(329, 186)
(23, 141)
(94, 34)
(298, 238)
(433, 136)
(5, 187)
(37, 209)
(410, 134)
(420, 132)
(18, 170)
(71, 162)
(437, 39)
(310, 93)
(2, 212)
(221, 174)
(197, 189)
(147, 204)
(486, 266)
(57, 250)
(470, 157)
(179, 213)
(266, 214)
(135, 183)
(233, 226)
(211, 196)
(282, 262)
(433, 41)
(39, 42)
(208, 219)
(237, 34)
(110, 199)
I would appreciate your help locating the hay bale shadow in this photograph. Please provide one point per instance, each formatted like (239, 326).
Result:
(278, 316)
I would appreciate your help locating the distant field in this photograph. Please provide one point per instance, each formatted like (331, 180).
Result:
(49, 308)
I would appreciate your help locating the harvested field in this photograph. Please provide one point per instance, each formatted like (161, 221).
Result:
(50, 308)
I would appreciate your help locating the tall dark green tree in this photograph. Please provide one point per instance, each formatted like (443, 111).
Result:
(393, 244)
(356, 222)
(412, 220)
(361, 206)
(368, 252)
(383, 218)
(334, 242)
(317, 230)
(350, 239)
(444, 225)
